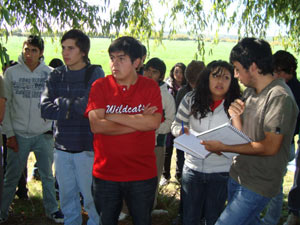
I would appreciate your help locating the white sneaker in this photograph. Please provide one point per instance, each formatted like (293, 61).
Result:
(57, 217)
(122, 216)
(163, 181)
(159, 212)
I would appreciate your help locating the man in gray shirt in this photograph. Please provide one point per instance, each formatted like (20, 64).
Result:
(267, 115)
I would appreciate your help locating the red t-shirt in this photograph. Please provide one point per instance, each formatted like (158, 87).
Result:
(127, 157)
(215, 104)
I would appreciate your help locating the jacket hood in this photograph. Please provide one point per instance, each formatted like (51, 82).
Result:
(38, 68)
(168, 81)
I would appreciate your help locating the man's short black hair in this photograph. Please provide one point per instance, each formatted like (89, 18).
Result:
(285, 61)
(253, 50)
(82, 41)
(159, 65)
(35, 41)
(144, 50)
(54, 63)
(129, 45)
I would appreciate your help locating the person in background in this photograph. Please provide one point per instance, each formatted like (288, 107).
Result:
(267, 115)
(2, 111)
(54, 63)
(285, 67)
(25, 129)
(204, 181)
(175, 82)
(155, 69)
(140, 68)
(124, 110)
(64, 100)
(192, 73)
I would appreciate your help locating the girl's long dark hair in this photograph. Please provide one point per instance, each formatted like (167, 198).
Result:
(203, 97)
(183, 67)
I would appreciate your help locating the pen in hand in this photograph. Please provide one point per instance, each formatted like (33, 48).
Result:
(236, 108)
(182, 127)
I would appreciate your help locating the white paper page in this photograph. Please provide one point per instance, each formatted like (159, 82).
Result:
(224, 134)
(227, 135)
(182, 148)
(192, 143)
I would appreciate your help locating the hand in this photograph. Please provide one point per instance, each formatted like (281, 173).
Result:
(213, 146)
(236, 108)
(186, 131)
(149, 110)
(12, 143)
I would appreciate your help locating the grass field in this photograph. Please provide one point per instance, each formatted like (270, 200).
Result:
(170, 51)
(31, 212)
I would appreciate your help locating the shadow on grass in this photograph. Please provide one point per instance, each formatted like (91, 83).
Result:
(31, 212)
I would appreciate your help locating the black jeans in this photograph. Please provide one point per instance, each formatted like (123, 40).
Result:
(138, 195)
(179, 163)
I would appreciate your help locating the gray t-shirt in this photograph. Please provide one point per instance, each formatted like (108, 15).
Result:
(272, 110)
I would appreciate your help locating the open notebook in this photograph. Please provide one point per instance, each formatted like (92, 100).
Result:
(225, 133)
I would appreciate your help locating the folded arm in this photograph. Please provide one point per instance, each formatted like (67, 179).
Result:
(100, 125)
(140, 122)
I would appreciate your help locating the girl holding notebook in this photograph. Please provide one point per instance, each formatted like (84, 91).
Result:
(204, 181)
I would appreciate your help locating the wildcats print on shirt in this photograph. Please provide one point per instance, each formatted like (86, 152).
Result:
(125, 109)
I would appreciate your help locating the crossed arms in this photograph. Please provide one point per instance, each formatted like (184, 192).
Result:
(117, 124)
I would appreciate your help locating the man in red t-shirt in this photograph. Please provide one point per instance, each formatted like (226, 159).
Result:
(124, 110)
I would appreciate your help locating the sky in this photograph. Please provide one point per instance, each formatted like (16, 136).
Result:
(159, 11)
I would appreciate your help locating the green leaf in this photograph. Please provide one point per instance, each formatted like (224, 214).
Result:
(5, 13)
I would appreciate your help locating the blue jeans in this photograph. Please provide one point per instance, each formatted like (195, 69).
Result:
(274, 208)
(244, 206)
(138, 195)
(42, 146)
(74, 175)
(203, 195)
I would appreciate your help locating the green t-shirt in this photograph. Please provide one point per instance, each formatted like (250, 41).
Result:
(272, 110)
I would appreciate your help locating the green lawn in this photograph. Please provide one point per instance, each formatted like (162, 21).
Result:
(170, 51)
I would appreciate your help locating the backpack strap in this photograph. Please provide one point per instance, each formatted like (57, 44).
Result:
(89, 72)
